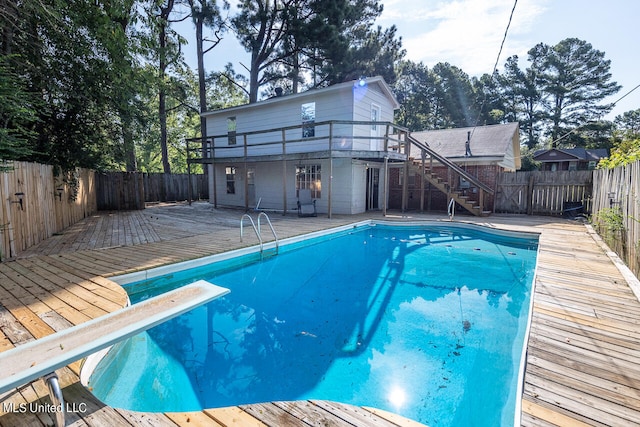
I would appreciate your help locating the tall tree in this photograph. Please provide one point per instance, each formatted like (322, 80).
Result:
(488, 100)
(415, 90)
(262, 26)
(575, 78)
(17, 116)
(317, 42)
(205, 14)
(629, 124)
(522, 99)
(455, 100)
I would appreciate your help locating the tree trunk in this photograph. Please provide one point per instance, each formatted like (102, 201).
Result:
(253, 78)
(162, 96)
(202, 89)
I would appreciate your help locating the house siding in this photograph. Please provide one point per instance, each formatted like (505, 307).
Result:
(271, 115)
(343, 102)
(347, 196)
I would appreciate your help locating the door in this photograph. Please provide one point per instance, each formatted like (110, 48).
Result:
(251, 186)
(373, 188)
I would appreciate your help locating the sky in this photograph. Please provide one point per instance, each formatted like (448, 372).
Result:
(468, 34)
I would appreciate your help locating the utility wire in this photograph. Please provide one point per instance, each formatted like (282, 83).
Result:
(495, 66)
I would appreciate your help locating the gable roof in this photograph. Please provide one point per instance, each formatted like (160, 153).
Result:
(577, 153)
(493, 141)
(376, 81)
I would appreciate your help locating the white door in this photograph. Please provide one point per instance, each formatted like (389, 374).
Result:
(251, 186)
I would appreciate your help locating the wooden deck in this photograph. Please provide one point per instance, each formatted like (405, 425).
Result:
(582, 356)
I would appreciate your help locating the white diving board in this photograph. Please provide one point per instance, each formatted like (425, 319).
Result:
(41, 357)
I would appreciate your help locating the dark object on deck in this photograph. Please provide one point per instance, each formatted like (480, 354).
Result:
(572, 209)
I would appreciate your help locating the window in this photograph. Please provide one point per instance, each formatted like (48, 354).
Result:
(375, 116)
(308, 176)
(231, 179)
(308, 111)
(231, 130)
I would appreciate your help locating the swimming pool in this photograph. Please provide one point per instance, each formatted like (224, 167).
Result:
(427, 321)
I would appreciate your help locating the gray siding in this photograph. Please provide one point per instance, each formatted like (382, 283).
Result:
(347, 197)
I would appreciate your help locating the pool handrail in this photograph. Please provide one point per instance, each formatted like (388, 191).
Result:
(275, 236)
(253, 225)
(41, 357)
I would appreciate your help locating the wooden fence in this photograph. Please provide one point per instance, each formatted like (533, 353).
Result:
(616, 211)
(130, 190)
(35, 204)
(543, 192)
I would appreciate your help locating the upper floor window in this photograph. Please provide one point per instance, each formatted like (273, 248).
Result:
(308, 111)
(231, 130)
(375, 116)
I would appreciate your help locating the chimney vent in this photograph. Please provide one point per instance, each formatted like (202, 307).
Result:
(467, 145)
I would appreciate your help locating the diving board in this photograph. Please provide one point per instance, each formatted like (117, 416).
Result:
(41, 357)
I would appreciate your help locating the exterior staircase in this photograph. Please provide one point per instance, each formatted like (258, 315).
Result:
(474, 205)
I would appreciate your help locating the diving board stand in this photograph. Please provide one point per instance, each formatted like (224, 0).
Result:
(41, 357)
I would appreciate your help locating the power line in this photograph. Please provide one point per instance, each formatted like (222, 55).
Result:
(495, 66)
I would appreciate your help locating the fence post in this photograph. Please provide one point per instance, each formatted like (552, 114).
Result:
(530, 194)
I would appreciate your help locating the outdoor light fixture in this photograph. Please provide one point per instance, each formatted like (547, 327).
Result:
(612, 199)
(20, 197)
(60, 190)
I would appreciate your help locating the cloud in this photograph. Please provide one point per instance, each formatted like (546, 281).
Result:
(464, 33)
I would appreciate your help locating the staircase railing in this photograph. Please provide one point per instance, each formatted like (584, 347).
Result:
(449, 164)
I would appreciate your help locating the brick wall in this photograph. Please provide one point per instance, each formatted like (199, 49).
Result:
(434, 199)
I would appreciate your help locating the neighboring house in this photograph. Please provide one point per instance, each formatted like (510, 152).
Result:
(483, 151)
(556, 159)
(336, 141)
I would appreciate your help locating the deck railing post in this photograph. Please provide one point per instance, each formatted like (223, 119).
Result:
(213, 173)
(385, 198)
(246, 175)
(330, 168)
(284, 174)
(424, 179)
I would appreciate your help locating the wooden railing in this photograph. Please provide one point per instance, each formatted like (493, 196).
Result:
(276, 142)
(328, 138)
(448, 185)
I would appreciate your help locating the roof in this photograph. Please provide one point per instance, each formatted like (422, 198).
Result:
(378, 81)
(495, 141)
(577, 153)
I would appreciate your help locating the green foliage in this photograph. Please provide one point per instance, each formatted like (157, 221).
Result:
(609, 223)
(558, 97)
(624, 152)
(628, 124)
(320, 42)
(80, 82)
(526, 159)
(17, 116)
(609, 220)
(575, 78)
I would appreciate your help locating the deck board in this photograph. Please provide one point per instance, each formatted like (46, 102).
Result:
(582, 353)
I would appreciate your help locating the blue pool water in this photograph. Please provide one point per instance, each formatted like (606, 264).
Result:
(427, 322)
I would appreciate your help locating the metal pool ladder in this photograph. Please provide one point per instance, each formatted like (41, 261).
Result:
(257, 229)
